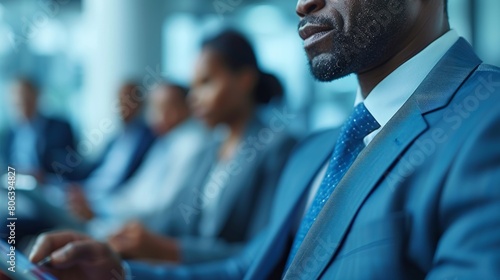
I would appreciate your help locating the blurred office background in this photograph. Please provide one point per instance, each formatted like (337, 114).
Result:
(79, 51)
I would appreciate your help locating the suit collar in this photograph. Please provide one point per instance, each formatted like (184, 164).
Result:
(390, 94)
(435, 92)
(446, 78)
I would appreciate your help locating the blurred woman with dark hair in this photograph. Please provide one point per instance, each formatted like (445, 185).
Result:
(229, 198)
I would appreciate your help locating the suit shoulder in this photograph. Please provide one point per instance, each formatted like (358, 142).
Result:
(486, 77)
(483, 85)
(487, 68)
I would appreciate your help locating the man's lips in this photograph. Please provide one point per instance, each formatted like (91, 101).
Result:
(313, 33)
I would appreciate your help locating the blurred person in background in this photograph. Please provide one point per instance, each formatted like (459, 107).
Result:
(165, 169)
(228, 198)
(34, 141)
(124, 154)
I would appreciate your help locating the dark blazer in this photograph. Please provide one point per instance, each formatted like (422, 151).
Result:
(421, 201)
(248, 183)
(54, 136)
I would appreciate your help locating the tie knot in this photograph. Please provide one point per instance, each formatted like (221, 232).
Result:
(360, 123)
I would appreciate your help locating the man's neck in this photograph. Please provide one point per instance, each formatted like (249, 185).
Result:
(368, 80)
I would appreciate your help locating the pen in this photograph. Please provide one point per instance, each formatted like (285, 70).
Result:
(45, 262)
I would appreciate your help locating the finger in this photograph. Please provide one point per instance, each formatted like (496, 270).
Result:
(120, 248)
(134, 225)
(120, 232)
(115, 241)
(79, 252)
(114, 244)
(120, 237)
(50, 242)
(126, 227)
(113, 236)
(126, 234)
(137, 228)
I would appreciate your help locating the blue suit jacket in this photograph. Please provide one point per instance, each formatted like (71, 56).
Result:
(54, 136)
(422, 200)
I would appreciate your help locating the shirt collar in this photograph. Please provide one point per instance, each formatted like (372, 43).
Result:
(389, 96)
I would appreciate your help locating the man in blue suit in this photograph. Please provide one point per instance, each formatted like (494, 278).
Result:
(406, 189)
(34, 141)
(125, 152)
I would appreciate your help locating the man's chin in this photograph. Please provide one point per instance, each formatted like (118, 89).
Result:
(326, 68)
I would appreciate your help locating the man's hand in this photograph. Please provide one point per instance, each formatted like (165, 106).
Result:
(136, 242)
(76, 256)
(4, 277)
(78, 205)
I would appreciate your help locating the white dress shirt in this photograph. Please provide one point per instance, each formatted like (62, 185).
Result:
(385, 100)
(24, 153)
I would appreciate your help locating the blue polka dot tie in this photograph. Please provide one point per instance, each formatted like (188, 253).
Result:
(348, 146)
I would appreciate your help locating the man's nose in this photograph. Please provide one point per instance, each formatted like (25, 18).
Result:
(307, 7)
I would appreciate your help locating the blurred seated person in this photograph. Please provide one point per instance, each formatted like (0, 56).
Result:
(159, 178)
(228, 198)
(125, 153)
(33, 142)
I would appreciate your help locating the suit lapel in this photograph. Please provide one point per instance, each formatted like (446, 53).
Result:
(293, 189)
(340, 210)
(337, 215)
